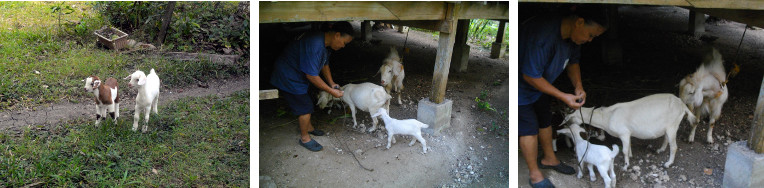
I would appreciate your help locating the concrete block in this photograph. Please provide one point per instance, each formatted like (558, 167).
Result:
(437, 116)
(495, 50)
(744, 167)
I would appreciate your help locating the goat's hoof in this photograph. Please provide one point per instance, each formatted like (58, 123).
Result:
(667, 165)
(710, 141)
(592, 179)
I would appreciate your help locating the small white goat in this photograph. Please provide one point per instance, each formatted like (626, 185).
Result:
(392, 73)
(106, 97)
(367, 97)
(705, 92)
(649, 117)
(404, 127)
(148, 95)
(593, 155)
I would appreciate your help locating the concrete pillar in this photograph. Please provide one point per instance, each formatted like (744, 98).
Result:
(461, 53)
(757, 129)
(743, 167)
(436, 110)
(697, 24)
(612, 51)
(496, 47)
(366, 30)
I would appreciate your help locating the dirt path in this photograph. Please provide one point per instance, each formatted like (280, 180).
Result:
(15, 121)
(470, 153)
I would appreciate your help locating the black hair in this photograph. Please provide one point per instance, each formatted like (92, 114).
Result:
(343, 27)
(591, 13)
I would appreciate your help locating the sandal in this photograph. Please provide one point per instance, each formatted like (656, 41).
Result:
(561, 168)
(543, 184)
(312, 145)
(317, 133)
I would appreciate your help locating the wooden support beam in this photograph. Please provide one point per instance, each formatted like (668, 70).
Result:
(269, 94)
(422, 24)
(756, 142)
(750, 17)
(496, 47)
(492, 10)
(696, 24)
(366, 30)
(443, 55)
(460, 46)
(305, 11)
(716, 4)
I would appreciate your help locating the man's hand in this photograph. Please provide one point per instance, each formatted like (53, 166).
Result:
(336, 93)
(334, 85)
(570, 100)
(581, 94)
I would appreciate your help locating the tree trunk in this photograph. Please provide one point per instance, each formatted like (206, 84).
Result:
(166, 19)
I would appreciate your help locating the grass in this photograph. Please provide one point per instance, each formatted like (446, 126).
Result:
(43, 66)
(193, 142)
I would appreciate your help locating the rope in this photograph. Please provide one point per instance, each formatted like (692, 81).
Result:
(344, 120)
(587, 136)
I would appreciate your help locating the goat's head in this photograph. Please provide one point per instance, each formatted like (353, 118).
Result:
(380, 112)
(91, 83)
(325, 99)
(137, 78)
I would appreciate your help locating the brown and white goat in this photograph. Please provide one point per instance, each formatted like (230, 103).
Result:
(106, 97)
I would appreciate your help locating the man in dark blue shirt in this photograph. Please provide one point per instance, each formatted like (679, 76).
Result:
(547, 46)
(299, 65)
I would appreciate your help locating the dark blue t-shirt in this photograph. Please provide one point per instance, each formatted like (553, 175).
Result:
(306, 55)
(542, 53)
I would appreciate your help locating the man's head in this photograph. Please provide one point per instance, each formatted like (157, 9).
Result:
(341, 33)
(590, 22)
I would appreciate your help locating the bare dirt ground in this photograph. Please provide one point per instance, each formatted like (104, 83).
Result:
(657, 55)
(467, 154)
(39, 118)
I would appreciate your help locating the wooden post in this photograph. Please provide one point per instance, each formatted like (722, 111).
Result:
(366, 30)
(443, 55)
(462, 27)
(756, 142)
(696, 25)
(166, 19)
(496, 47)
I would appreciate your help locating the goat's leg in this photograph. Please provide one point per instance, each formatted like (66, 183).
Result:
(112, 112)
(373, 123)
(136, 118)
(389, 138)
(352, 112)
(413, 140)
(147, 112)
(692, 132)
(592, 177)
(603, 172)
(626, 151)
(612, 172)
(421, 140)
(663, 146)
(601, 137)
(154, 105)
(671, 136)
(116, 112)
(710, 138)
(580, 168)
(98, 115)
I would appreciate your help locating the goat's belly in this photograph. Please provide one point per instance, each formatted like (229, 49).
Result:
(648, 134)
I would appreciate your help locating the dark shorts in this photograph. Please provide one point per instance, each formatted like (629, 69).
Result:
(300, 104)
(533, 117)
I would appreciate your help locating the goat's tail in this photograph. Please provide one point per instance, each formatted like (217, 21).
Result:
(152, 72)
(615, 151)
(422, 125)
(690, 117)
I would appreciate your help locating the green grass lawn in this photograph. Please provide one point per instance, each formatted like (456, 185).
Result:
(42, 65)
(193, 142)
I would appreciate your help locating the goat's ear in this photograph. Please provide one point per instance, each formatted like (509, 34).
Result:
(142, 81)
(127, 78)
(97, 83)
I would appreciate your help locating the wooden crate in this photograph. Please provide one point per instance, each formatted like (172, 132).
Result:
(112, 43)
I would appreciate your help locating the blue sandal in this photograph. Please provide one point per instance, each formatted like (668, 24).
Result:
(312, 145)
(543, 184)
(561, 168)
(317, 133)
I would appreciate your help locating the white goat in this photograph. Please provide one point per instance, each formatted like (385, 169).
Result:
(593, 155)
(148, 95)
(649, 117)
(392, 73)
(367, 97)
(106, 97)
(405, 127)
(705, 92)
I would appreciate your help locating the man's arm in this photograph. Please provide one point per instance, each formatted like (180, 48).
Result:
(545, 87)
(316, 81)
(328, 75)
(574, 73)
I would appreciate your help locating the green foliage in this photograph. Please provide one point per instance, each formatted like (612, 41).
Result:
(483, 32)
(194, 142)
(483, 104)
(195, 25)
